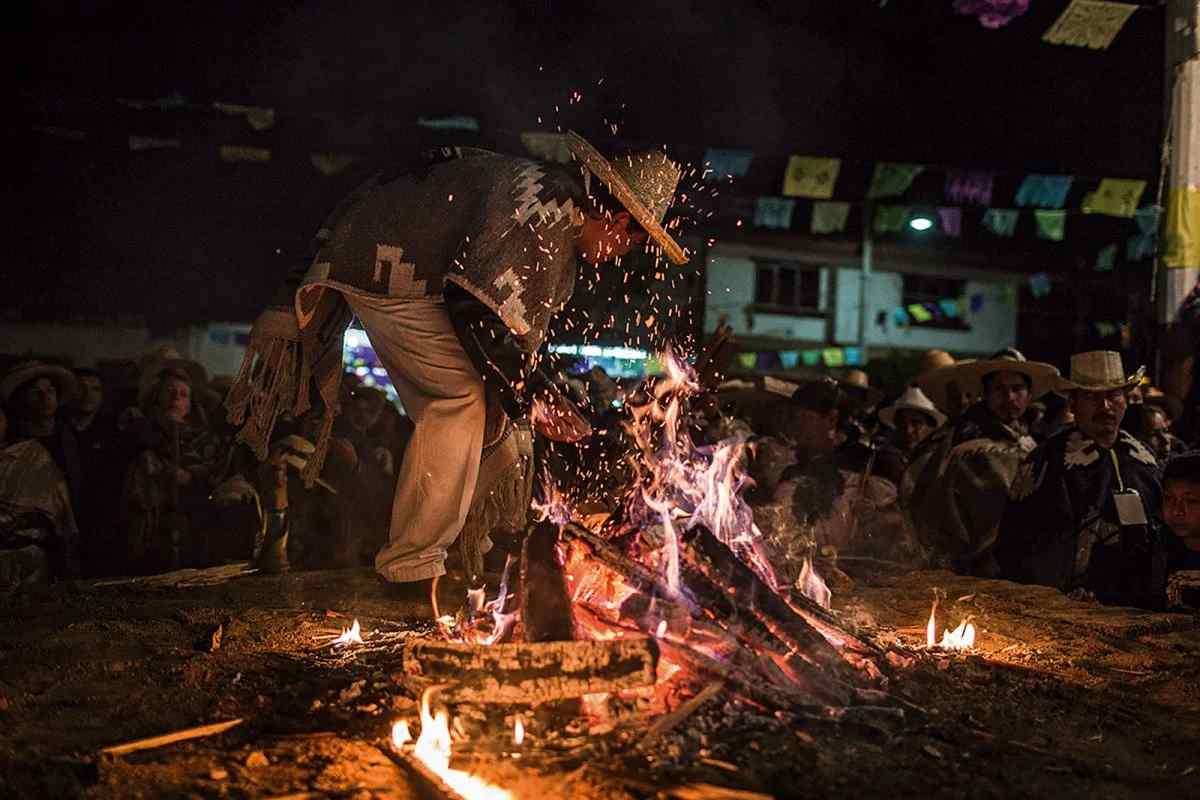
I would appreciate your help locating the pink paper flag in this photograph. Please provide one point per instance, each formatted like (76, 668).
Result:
(951, 219)
(969, 186)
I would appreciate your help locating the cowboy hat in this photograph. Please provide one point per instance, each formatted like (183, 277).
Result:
(970, 374)
(24, 372)
(913, 399)
(1099, 371)
(165, 358)
(857, 386)
(644, 183)
(937, 373)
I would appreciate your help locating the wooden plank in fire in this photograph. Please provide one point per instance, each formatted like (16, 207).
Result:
(532, 673)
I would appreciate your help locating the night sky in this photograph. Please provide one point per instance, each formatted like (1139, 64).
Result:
(179, 237)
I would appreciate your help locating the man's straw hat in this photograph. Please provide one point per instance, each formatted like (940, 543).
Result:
(1100, 371)
(969, 375)
(913, 399)
(643, 182)
(24, 372)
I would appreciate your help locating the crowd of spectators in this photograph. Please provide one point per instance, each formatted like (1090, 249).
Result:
(999, 467)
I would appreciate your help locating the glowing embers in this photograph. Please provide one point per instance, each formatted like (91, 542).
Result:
(433, 748)
(961, 638)
(482, 621)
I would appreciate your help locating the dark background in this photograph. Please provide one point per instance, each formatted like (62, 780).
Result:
(179, 236)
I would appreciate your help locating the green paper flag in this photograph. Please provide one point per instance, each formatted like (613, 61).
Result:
(919, 312)
(747, 360)
(833, 356)
(830, 217)
(890, 219)
(811, 177)
(1106, 258)
(1000, 221)
(1116, 197)
(810, 357)
(1051, 225)
(892, 180)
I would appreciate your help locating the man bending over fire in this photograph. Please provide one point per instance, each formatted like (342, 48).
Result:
(454, 268)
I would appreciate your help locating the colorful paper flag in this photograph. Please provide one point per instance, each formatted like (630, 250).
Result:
(833, 357)
(774, 212)
(260, 119)
(1106, 259)
(1147, 218)
(830, 217)
(1000, 221)
(720, 165)
(455, 122)
(811, 177)
(547, 146)
(789, 358)
(140, 143)
(900, 315)
(811, 357)
(331, 163)
(1089, 23)
(950, 218)
(919, 312)
(1044, 191)
(1139, 247)
(854, 356)
(892, 179)
(747, 360)
(1040, 284)
(950, 307)
(1116, 197)
(969, 186)
(237, 152)
(1051, 225)
(976, 303)
(890, 219)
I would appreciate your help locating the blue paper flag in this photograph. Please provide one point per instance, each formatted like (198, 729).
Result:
(976, 303)
(900, 315)
(853, 356)
(1040, 284)
(721, 164)
(1044, 191)
(950, 308)
(789, 358)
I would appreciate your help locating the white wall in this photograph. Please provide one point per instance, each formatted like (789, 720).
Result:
(215, 345)
(731, 289)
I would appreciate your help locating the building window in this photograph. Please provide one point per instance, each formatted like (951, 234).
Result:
(926, 290)
(783, 287)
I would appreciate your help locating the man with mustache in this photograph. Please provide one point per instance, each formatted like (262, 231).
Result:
(1086, 504)
(955, 489)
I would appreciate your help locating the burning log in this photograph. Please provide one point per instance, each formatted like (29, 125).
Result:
(798, 622)
(545, 604)
(531, 674)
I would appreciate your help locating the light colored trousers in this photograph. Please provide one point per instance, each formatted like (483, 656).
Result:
(444, 395)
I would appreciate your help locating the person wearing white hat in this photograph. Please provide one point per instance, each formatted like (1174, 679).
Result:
(912, 417)
(455, 267)
(1086, 504)
(956, 488)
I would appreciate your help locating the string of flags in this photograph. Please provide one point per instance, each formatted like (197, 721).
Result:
(1084, 23)
(792, 359)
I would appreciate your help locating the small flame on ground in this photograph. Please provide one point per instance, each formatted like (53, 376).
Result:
(433, 748)
(961, 638)
(351, 635)
(518, 732)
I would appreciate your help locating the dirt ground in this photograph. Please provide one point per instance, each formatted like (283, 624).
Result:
(1059, 698)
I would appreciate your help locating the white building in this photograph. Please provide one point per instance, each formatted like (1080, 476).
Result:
(785, 298)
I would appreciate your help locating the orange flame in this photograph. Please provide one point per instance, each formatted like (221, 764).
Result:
(961, 638)
(433, 748)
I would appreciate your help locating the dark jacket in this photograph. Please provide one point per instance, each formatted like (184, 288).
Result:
(1062, 530)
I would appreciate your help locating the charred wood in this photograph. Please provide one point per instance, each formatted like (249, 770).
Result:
(532, 674)
(545, 603)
